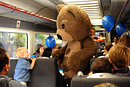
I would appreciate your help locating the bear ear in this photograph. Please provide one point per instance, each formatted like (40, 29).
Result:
(79, 14)
(76, 11)
(59, 7)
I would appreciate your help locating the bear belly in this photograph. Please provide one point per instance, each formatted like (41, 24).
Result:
(72, 47)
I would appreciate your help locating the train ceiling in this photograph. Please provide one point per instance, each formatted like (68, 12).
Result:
(44, 11)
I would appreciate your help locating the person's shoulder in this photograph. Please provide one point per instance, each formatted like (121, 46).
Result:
(22, 60)
(14, 83)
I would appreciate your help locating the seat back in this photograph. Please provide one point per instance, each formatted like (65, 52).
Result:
(91, 82)
(13, 63)
(99, 53)
(4, 82)
(46, 74)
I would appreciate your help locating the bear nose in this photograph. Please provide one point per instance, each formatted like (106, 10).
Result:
(59, 36)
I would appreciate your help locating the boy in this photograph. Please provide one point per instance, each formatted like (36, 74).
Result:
(22, 69)
(119, 58)
(101, 65)
(101, 68)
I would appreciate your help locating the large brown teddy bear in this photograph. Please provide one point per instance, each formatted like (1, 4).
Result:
(73, 25)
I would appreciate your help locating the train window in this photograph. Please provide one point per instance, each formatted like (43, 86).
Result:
(41, 39)
(11, 41)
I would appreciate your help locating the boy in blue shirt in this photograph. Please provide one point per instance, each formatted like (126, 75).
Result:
(22, 69)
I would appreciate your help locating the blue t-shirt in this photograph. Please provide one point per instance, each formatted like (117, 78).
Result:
(22, 70)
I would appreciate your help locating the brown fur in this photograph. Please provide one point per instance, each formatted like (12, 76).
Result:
(76, 55)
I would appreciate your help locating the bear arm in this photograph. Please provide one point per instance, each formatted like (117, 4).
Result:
(78, 61)
(59, 54)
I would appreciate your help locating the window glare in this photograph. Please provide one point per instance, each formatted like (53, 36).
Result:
(11, 41)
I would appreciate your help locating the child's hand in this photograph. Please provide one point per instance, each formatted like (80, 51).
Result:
(33, 62)
(33, 59)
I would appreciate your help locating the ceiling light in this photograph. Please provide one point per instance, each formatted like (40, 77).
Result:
(90, 7)
(76, 3)
(91, 11)
(94, 14)
(95, 17)
(96, 21)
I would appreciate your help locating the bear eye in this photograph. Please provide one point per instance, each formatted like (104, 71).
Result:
(63, 26)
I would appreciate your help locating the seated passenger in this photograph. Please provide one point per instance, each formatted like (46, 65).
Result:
(22, 69)
(47, 52)
(5, 67)
(39, 51)
(116, 39)
(125, 39)
(106, 85)
(107, 48)
(119, 57)
(101, 66)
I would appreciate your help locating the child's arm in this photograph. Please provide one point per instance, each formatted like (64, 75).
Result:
(33, 62)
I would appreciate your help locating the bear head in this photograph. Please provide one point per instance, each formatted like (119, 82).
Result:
(73, 23)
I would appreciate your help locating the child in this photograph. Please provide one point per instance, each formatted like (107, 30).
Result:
(22, 69)
(101, 65)
(119, 58)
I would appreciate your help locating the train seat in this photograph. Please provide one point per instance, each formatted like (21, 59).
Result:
(13, 63)
(4, 82)
(44, 74)
(83, 81)
(100, 53)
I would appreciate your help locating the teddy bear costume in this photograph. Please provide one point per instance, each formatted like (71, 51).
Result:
(73, 25)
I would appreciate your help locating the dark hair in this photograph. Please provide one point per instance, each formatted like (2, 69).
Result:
(47, 52)
(124, 39)
(101, 65)
(108, 46)
(117, 37)
(3, 58)
(101, 34)
(92, 29)
(38, 47)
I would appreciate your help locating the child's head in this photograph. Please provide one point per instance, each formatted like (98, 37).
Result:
(22, 52)
(92, 31)
(101, 65)
(119, 56)
(107, 47)
(116, 38)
